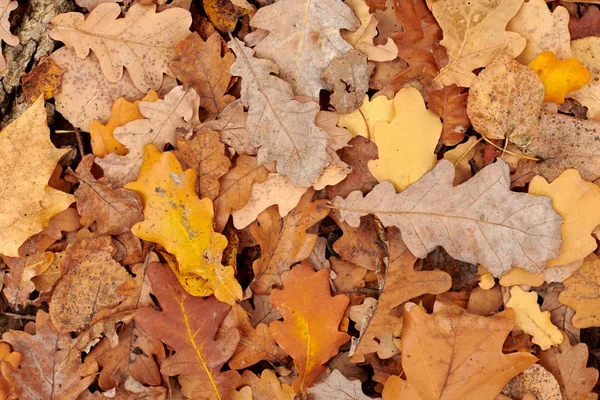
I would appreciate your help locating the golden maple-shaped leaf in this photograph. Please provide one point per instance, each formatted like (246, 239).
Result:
(143, 42)
(460, 352)
(189, 324)
(311, 317)
(182, 223)
(560, 77)
(29, 158)
(581, 293)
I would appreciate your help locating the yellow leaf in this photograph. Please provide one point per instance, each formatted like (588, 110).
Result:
(362, 122)
(531, 320)
(577, 201)
(123, 111)
(519, 276)
(486, 279)
(407, 143)
(559, 77)
(581, 293)
(179, 221)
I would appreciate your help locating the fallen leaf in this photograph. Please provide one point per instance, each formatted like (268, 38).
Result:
(559, 77)
(534, 381)
(460, 157)
(361, 122)
(577, 202)
(189, 324)
(10, 359)
(348, 75)
(114, 211)
(267, 387)
(401, 284)
(469, 368)
(202, 66)
(587, 25)
(450, 103)
(49, 369)
(560, 315)
(581, 293)
(206, 154)
(231, 127)
(338, 386)
(544, 30)
(143, 41)
(6, 7)
(407, 143)
(284, 242)
(589, 96)
(464, 276)
(173, 215)
(531, 320)
(568, 365)
(485, 302)
(309, 331)
(224, 14)
(362, 38)
(29, 158)
(486, 237)
(45, 78)
(165, 121)
(349, 276)
(361, 245)
(304, 37)
(505, 101)
(474, 35)
(518, 276)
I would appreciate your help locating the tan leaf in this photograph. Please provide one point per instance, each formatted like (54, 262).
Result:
(585, 50)
(582, 293)
(348, 75)
(6, 7)
(267, 387)
(231, 127)
(361, 245)
(264, 312)
(349, 277)
(534, 381)
(337, 386)
(143, 41)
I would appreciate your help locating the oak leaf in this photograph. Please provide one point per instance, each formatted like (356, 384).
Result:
(362, 245)
(533, 383)
(532, 320)
(581, 293)
(6, 7)
(231, 127)
(309, 331)
(348, 75)
(29, 158)
(589, 96)
(497, 228)
(182, 223)
(224, 14)
(560, 77)
(461, 351)
(474, 35)
(284, 242)
(143, 41)
(338, 386)
(49, 369)
(165, 121)
(201, 65)
(282, 127)
(189, 324)
(267, 387)
(362, 122)
(44, 79)
(304, 36)
(450, 103)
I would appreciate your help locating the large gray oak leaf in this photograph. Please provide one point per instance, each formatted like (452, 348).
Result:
(480, 221)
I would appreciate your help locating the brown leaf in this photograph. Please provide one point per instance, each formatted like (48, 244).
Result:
(534, 381)
(348, 74)
(401, 284)
(450, 103)
(523, 174)
(267, 387)
(231, 127)
(464, 275)
(362, 245)
(224, 14)
(188, 324)
(202, 66)
(581, 293)
(560, 315)
(264, 312)
(587, 25)
(284, 242)
(45, 78)
(206, 154)
(49, 370)
(348, 276)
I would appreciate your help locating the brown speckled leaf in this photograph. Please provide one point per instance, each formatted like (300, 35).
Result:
(45, 78)
(231, 127)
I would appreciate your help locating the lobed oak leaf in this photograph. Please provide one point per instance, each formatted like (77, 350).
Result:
(407, 143)
(362, 122)
(263, 312)
(338, 386)
(348, 75)
(182, 223)
(282, 127)
(497, 228)
(474, 35)
(165, 121)
(9, 359)
(450, 103)
(49, 369)
(309, 331)
(143, 41)
(201, 65)
(461, 351)
(559, 77)
(362, 245)
(560, 315)
(581, 293)
(44, 79)
(6, 7)
(231, 127)
(29, 158)
(267, 387)
(304, 39)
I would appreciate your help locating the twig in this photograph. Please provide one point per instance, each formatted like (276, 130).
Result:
(19, 316)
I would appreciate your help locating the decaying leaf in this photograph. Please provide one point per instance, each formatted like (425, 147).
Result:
(224, 14)
(231, 127)
(6, 7)
(560, 77)
(29, 158)
(309, 331)
(143, 42)
(534, 382)
(480, 221)
(587, 25)
(45, 78)
(505, 101)
(450, 103)
(362, 122)
(338, 386)
(582, 293)
(348, 75)
(589, 95)
(460, 156)
(361, 245)
(180, 222)
(474, 35)
(267, 387)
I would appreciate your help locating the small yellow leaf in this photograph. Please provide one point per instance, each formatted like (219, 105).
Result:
(179, 221)
(407, 143)
(361, 122)
(559, 77)
(519, 276)
(530, 319)
(486, 279)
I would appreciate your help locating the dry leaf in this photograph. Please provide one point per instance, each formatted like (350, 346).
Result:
(166, 120)
(496, 227)
(143, 41)
(464, 276)
(304, 36)
(6, 7)
(535, 382)
(450, 103)
(361, 245)
(201, 65)
(29, 158)
(282, 127)
(337, 386)
(474, 35)
(45, 78)
(174, 215)
(267, 387)
(559, 77)
(224, 14)
(309, 331)
(188, 324)
(582, 293)
(362, 122)
(505, 101)
(231, 127)
(560, 315)
(348, 75)
(587, 25)
(460, 156)
(589, 96)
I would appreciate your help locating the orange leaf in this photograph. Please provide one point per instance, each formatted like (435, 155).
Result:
(45, 78)
(559, 76)
(311, 317)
